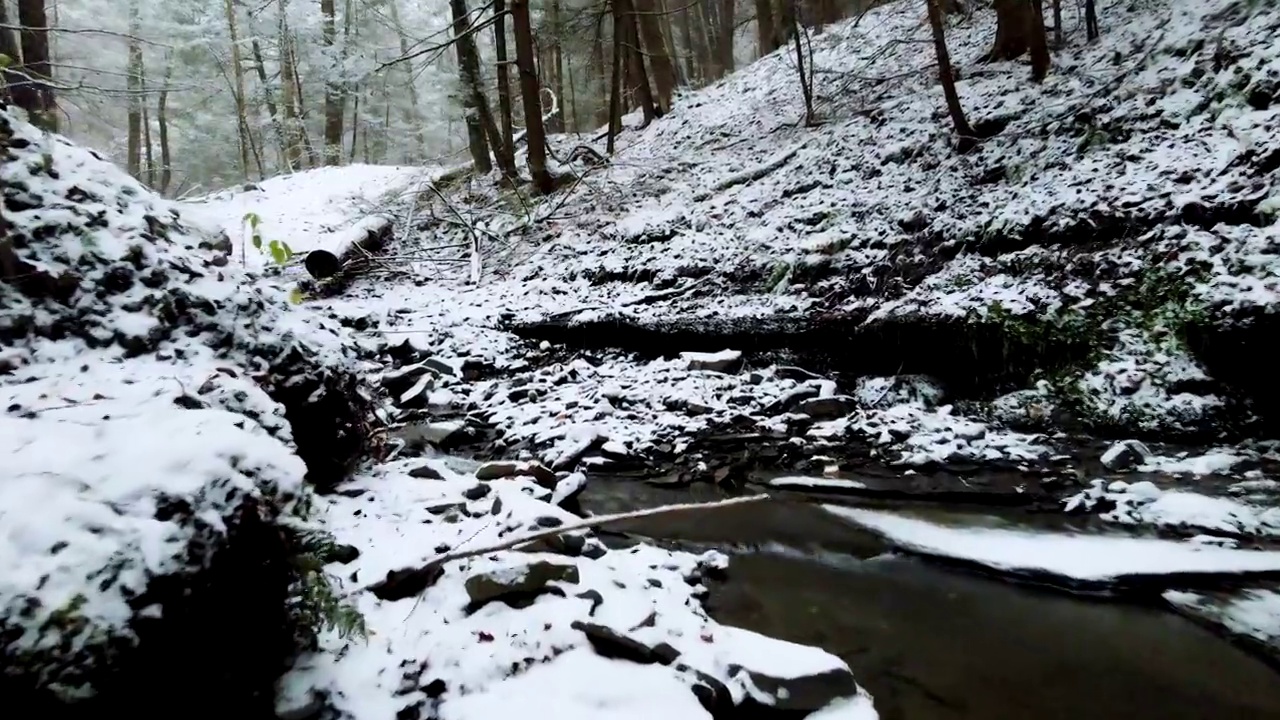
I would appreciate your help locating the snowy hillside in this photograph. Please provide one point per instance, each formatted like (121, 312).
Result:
(1112, 239)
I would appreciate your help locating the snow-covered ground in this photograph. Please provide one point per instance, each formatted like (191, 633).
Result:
(313, 210)
(147, 368)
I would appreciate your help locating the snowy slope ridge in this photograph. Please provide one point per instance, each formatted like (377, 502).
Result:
(147, 393)
(1114, 239)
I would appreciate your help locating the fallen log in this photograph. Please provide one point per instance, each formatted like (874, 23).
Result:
(360, 240)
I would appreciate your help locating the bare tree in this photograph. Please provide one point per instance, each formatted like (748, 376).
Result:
(334, 97)
(531, 97)
(947, 76)
(766, 34)
(34, 93)
(472, 95)
(237, 74)
(133, 82)
(1091, 20)
(162, 120)
(655, 50)
(1019, 30)
(504, 76)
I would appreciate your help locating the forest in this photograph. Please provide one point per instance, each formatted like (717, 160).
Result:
(168, 87)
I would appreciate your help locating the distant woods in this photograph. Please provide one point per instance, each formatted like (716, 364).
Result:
(192, 93)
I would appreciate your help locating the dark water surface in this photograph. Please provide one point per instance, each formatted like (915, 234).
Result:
(934, 644)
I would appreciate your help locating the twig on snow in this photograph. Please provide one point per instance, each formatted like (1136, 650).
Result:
(433, 566)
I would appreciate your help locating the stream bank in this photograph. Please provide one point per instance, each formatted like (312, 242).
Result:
(932, 643)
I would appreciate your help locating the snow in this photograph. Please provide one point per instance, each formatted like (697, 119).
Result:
(310, 210)
(1210, 463)
(1253, 613)
(1074, 556)
(579, 685)
(812, 483)
(1145, 503)
(498, 654)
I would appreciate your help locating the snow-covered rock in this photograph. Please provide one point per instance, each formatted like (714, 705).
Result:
(160, 415)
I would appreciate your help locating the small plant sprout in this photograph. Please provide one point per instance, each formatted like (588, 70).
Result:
(279, 251)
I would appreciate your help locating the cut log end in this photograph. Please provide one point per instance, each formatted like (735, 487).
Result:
(322, 264)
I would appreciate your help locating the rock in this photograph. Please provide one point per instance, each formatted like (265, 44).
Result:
(407, 582)
(827, 408)
(792, 400)
(568, 488)
(517, 585)
(418, 435)
(477, 491)
(795, 374)
(295, 702)
(343, 554)
(548, 521)
(722, 361)
(566, 544)
(800, 692)
(609, 643)
(426, 471)
(712, 694)
(502, 469)
(1126, 455)
(398, 382)
(879, 393)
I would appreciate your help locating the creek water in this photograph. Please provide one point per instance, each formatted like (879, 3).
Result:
(935, 644)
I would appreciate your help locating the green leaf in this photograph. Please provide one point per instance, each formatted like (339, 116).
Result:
(277, 253)
(5, 61)
(257, 241)
(252, 219)
(288, 250)
(296, 296)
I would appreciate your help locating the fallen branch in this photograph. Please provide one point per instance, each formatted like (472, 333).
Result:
(633, 302)
(749, 175)
(407, 582)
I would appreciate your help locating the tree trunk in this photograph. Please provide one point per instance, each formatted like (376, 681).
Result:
(639, 78)
(946, 75)
(162, 119)
(556, 66)
(472, 94)
(531, 95)
(334, 98)
(1020, 30)
(237, 74)
(1039, 41)
(655, 49)
(293, 153)
(725, 36)
(268, 99)
(355, 125)
(806, 80)
(668, 26)
(14, 84)
(572, 125)
(1057, 24)
(133, 82)
(603, 84)
(766, 35)
(1091, 20)
(296, 75)
(36, 96)
(504, 76)
(693, 55)
(615, 92)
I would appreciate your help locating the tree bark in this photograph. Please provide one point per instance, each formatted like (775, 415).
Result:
(615, 94)
(504, 76)
(725, 39)
(14, 84)
(693, 56)
(1057, 24)
(603, 84)
(1091, 20)
(472, 94)
(556, 122)
(654, 48)
(947, 77)
(1020, 30)
(237, 74)
(133, 82)
(162, 120)
(531, 95)
(766, 35)
(639, 78)
(334, 97)
(293, 148)
(37, 96)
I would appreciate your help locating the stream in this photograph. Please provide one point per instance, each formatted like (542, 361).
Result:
(937, 644)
